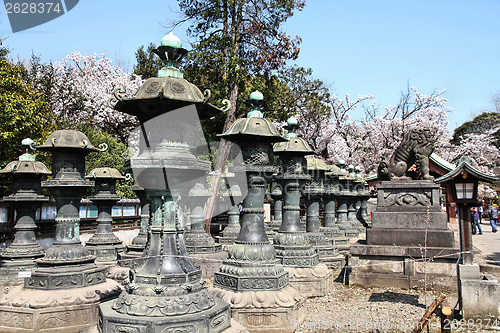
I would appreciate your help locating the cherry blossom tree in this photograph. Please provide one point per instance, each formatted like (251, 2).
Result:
(79, 87)
(382, 128)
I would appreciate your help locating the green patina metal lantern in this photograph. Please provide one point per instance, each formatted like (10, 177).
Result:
(104, 244)
(197, 240)
(332, 193)
(313, 192)
(233, 227)
(362, 200)
(26, 198)
(291, 242)
(346, 200)
(277, 196)
(67, 263)
(165, 291)
(252, 263)
(136, 248)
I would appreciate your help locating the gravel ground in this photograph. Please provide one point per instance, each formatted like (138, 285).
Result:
(357, 309)
(376, 310)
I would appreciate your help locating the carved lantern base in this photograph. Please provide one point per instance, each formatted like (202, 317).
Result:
(265, 311)
(175, 318)
(64, 311)
(311, 281)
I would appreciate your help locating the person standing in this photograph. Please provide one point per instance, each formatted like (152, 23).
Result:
(475, 221)
(480, 211)
(493, 212)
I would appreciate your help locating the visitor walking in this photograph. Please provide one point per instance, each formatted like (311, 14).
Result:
(480, 211)
(493, 213)
(475, 221)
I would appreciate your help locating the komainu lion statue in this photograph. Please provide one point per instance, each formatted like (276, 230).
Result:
(416, 147)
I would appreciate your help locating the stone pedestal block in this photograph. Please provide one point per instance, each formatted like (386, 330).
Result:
(480, 294)
(403, 267)
(311, 282)
(410, 237)
(209, 262)
(61, 311)
(334, 263)
(274, 311)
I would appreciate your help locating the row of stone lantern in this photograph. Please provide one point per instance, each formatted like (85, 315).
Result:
(345, 200)
(64, 283)
(164, 290)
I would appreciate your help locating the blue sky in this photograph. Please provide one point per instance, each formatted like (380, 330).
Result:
(358, 46)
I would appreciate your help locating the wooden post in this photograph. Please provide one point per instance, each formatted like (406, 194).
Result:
(445, 317)
(430, 310)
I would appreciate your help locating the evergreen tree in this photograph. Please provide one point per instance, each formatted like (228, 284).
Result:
(23, 111)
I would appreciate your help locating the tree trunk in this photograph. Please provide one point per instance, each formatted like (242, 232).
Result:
(220, 162)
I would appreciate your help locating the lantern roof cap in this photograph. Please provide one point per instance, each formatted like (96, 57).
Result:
(294, 145)
(68, 139)
(316, 163)
(26, 163)
(254, 127)
(104, 173)
(463, 168)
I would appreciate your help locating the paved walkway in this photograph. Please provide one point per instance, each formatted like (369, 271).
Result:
(489, 245)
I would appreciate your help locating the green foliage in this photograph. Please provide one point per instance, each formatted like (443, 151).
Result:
(483, 123)
(23, 112)
(112, 157)
(148, 63)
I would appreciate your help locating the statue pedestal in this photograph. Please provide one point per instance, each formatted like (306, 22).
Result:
(54, 311)
(274, 311)
(311, 281)
(408, 230)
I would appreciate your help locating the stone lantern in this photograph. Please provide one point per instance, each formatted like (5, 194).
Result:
(330, 193)
(252, 279)
(165, 292)
(291, 242)
(67, 283)
(104, 244)
(313, 192)
(197, 240)
(135, 249)
(277, 196)
(346, 200)
(26, 198)
(233, 227)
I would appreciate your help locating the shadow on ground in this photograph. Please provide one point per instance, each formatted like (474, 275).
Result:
(493, 258)
(389, 296)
